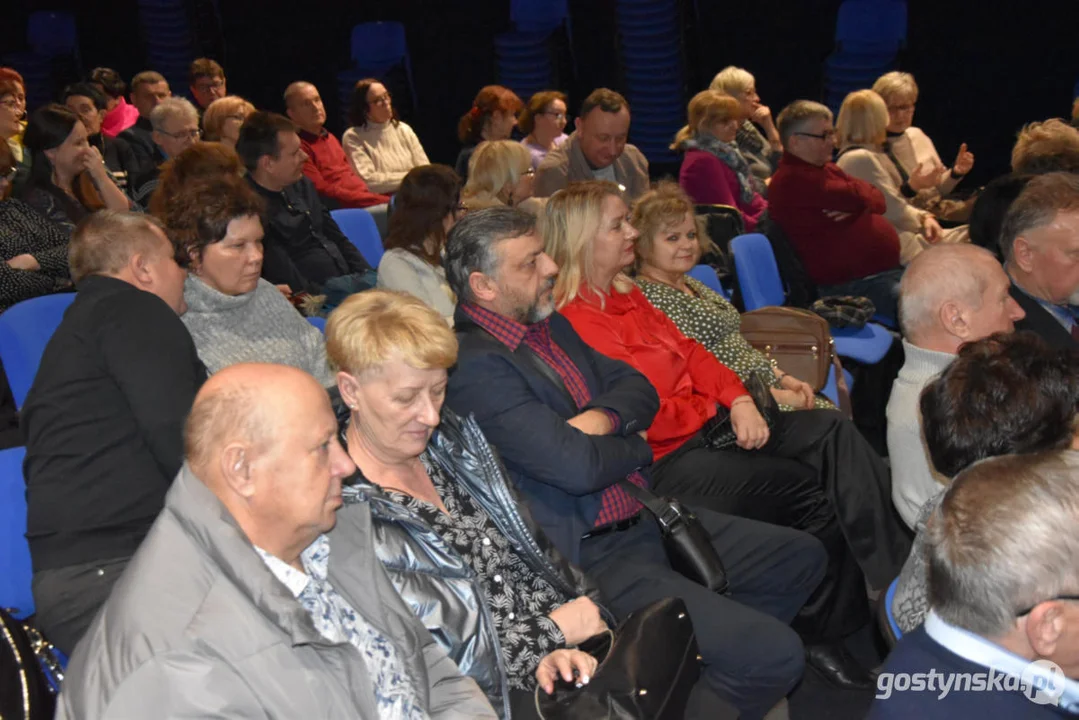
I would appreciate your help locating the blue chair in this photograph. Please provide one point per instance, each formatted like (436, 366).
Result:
(707, 274)
(871, 26)
(25, 330)
(885, 620)
(378, 46)
(318, 322)
(359, 227)
(51, 34)
(15, 571)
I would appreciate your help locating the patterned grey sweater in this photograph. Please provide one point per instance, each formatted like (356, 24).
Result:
(259, 326)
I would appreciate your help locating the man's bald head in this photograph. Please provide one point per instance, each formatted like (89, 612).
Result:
(294, 90)
(303, 105)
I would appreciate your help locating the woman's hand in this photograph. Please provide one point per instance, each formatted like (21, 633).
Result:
(566, 664)
(284, 290)
(964, 161)
(750, 430)
(26, 261)
(579, 619)
(801, 388)
(91, 161)
(925, 176)
(931, 229)
(762, 115)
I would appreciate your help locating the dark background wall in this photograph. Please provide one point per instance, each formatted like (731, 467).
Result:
(984, 68)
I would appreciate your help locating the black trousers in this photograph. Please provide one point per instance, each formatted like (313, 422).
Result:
(752, 657)
(67, 599)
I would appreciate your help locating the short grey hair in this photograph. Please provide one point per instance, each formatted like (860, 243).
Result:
(1003, 540)
(796, 116)
(1037, 206)
(173, 108)
(937, 275)
(470, 246)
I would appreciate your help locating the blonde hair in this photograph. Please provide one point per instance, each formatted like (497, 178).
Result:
(493, 166)
(732, 81)
(220, 110)
(896, 85)
(370, 328)
(863, 120)
(571, 221)
(104, 242)
(1047, 146)
(707, 108)
(661, 208)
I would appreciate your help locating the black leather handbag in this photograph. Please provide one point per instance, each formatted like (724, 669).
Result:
(718, 433)
(647, 669)
(30, 672)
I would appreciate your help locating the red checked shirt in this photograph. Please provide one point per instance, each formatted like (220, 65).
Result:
(615, 503)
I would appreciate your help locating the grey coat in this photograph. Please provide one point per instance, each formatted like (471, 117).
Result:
(199, 627)
(436, 581)
(567, 163)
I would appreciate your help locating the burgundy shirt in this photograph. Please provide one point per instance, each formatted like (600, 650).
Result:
(328, 168)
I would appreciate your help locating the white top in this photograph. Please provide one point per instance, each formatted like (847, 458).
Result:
(383, 153)
(403, 271)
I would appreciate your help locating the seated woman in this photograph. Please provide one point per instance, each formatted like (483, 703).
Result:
(457, 544)
(861, 130)
(234, 315)
(913, 152)
(543, 121)
(761, 150)
(500, 173)
(714, 172)
(12, 110)
(428, 204)
(33, 251)
(812, 471)
(68, 178)
(380, 147)
(205, 160)
(1004, 395)
(222, 120)
(669, 245)
(492, 117)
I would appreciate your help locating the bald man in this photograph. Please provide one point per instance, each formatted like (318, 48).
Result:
(254, 595)
(949, 295)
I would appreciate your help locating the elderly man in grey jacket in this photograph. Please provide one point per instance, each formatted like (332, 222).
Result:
(253, 595)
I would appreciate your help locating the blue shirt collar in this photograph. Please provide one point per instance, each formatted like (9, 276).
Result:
(1063, 314)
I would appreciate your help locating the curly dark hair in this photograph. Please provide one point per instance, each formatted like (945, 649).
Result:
(428, 194)
(200, 213)
(1003, 395)
(358, 105)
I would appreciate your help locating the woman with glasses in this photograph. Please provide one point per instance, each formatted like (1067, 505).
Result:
(380, 147)
(761, 149)
(492, 117)
(223, 118)
(500, 173)
(428, 204)
(543, 121)
(12, 110)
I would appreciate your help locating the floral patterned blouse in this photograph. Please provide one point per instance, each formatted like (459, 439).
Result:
(713, 322)
(519, 599)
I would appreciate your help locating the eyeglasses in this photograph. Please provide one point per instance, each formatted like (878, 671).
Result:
(908, 107)
(530, 172)
(555, 115)
(826, 135)
(9, 176)
(210, 85)
(183, 134)
(15, 102)
(383, 99)
(1058, 597)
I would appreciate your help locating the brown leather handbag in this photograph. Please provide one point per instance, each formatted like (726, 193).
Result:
(798, 341)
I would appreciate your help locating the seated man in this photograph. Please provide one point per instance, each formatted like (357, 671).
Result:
(835, 222)
(597, 150)
(89, 103)
(207, 82)
(303, 247)
(1002, 637)
(175, 124)
(955, 294)
(1040, 243)
(252, 595)
(570, 424)
(103, 419)
(327, 165)
(148, 89)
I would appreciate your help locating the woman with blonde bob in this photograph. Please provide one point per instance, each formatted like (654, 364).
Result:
(499, 173)
(714, 171)
(811, 470)
(458, 545)
(223, 118)
(862, 129)
(761, 150)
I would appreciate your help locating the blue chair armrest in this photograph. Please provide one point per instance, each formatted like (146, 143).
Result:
(867, 344)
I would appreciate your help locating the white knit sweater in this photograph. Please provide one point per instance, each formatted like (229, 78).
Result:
(383, 153)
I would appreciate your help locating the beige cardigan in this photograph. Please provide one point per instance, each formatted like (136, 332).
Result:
(914, 148)
(566, 163)
(383, 153)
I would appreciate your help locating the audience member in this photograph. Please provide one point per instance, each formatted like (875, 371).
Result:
(254, 595)
(176, 127)
(206, 160)
(1040, 243)
(834, 221)
(103, 419)
(492, 117)
(33, 251)
(862, 130)
(1002, 555)
(12, 123)
(380, 147)
(1043, 147)
(68, 178)
(990, 208)
(950, 295)
(669, 245)
(86, 101)
(428, 205)
(223, 118)
(432, 500)
(119, 113)
(597, 149)
(206, 82)
(543, 122)
(714, 172)
(912, 151)
(567, 448)
(327, 166)
(148, 89)
(303, 247)
(761, 150)
(233, 315)
(1004, 395)
(500, 173)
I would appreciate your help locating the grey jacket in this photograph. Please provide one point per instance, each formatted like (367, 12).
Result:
(566, 163)
(198, 627)
(436, 581)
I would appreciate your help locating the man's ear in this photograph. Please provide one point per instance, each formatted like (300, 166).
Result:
(1023, 254)
(1045, 628)
(139, 265)
(952, 316)
(265, 164)
(578, 122)
(482, 286)
(236, 469)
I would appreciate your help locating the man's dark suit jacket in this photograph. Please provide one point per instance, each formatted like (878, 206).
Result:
(1041, 322)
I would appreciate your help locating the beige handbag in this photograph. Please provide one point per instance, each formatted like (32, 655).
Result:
(798, 341)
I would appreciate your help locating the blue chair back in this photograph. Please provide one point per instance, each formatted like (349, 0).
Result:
(871, 26)
(538, 15)
(889, 597)
(359, 227)
(15, 572)
(318, 322)
(706, 274)
(51, 34)
(378, 45)
(25, 330)
(758, 274)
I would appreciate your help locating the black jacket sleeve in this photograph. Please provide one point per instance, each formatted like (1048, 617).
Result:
(278, 268)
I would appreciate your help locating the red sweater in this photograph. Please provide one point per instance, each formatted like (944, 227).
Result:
(688, 378)
(708, 181)
(328, 168)
(833, 252)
